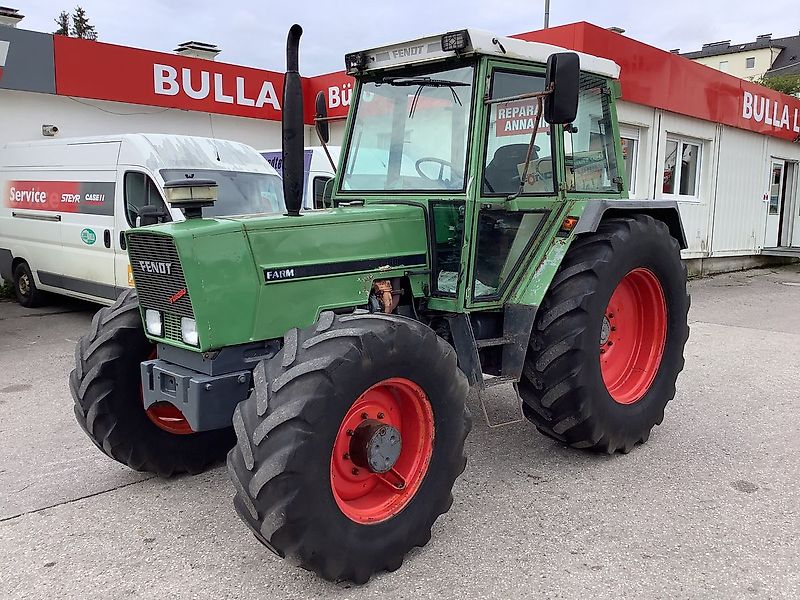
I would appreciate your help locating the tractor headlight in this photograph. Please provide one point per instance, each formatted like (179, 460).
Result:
(153, 323)
(189, 331)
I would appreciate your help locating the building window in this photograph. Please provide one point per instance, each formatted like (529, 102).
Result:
(681, 168)
(723, 66)
(750, 63)
(630, 154)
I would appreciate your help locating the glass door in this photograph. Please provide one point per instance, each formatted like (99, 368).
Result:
(519, 184)
(774, 203)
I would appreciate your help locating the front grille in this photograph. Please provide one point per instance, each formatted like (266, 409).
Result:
(160, 283)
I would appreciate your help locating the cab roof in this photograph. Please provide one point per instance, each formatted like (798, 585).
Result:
(478, 42)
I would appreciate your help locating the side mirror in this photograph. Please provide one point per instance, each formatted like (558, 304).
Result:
(150, 215)
(327, 194)
(563, 77)
(321, 118)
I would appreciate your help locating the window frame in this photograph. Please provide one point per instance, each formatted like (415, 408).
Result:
(682, 141)
(325, 179)
(747, 62)
(149, 179)
(536, 72)
(633, 133)
(435, 291)
(418, 71)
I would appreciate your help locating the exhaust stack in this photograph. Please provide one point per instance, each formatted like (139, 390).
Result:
(292, 139)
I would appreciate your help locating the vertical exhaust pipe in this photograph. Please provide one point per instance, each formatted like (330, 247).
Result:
(292, 138)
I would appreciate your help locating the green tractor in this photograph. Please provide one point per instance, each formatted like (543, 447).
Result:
(479, 232)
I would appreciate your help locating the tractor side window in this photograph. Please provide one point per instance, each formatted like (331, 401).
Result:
(140, 191)
(589, 144)
(448, 232)
(502, 240)
(509, 133)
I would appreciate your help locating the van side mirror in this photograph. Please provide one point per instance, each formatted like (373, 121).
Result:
(327, 194)
(321, 118)
(563, 77)
(150, 215)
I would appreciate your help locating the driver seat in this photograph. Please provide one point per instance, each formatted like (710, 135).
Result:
(501, 175)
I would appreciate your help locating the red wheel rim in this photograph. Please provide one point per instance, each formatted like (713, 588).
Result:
(633, 336)
(165, 415)
(368, 497)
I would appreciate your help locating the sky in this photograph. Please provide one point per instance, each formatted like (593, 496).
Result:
(254, 33)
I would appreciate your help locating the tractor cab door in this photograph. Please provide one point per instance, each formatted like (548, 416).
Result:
(506, 232)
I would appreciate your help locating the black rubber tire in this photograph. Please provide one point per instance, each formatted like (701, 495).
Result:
(106, 387)
(562, 386)
(285, 431)
(34, 296)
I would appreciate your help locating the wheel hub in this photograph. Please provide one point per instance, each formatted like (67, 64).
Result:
(24, 285)
(605, 331)
(375, 446)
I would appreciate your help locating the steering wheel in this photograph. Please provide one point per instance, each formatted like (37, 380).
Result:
(439, 161)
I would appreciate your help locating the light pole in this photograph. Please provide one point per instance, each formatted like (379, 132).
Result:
(546, 14)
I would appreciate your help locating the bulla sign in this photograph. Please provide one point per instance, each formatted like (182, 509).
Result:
(197, 85)
(770, 111)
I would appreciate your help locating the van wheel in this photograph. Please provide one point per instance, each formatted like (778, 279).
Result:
(28, 295)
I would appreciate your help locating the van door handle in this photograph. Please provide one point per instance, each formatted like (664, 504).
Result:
(122, 244)
(107, 238)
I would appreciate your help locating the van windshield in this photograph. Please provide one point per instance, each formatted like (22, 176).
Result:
(240, 193)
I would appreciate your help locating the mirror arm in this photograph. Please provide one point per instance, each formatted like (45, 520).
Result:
(317, 121)
(546, 92)
(537, 120)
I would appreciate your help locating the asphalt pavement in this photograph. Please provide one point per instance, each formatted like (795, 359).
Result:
(708, 508)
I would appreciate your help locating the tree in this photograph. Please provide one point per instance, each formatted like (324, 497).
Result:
(787, 84)
(81, 27)
(63, 23)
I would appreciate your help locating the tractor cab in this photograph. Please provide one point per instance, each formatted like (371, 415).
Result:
(493, 136)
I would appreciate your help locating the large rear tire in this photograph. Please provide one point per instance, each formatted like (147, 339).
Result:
(607, 345)
(106, 387)
(303, 484)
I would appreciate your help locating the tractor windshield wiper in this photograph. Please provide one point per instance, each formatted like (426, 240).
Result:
(423, 82)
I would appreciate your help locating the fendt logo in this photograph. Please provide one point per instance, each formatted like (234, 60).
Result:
(154, 266)
(3, 55)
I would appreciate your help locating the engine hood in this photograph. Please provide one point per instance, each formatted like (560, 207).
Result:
(252, 278)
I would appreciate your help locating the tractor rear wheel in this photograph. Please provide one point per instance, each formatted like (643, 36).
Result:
(350, 443)
(107, 389)
(607, 344)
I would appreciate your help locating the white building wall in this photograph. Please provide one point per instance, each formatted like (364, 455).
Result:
(23, 114)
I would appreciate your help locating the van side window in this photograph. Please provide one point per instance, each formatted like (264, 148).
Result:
(140, 191)
(319, 191)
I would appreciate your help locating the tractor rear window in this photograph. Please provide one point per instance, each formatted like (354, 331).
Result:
(589, 143)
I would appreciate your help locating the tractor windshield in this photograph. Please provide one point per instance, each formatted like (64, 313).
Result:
(410, 133)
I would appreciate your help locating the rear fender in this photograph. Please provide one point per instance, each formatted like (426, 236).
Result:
(661, 210)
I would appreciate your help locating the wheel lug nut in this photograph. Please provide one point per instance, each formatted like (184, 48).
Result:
(613, 329)
(364, 415)
(610, 343)
(602, 350)
(346, 456)
(355, 470)
(350, 432)
(610, 315)
(380, 415)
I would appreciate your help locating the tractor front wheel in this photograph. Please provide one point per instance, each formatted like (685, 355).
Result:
(107, 389)
(607, 344)
(350, 443)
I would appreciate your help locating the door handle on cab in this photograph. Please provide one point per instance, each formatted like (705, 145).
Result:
(122, 244)
(107, 238)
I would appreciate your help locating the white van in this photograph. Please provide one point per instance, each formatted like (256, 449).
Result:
(317, 171)
(66, 203)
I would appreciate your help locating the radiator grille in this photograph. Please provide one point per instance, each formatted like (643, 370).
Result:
(160, 283)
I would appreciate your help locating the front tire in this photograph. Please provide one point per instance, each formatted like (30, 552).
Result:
(607, 344)
(304, 484)
(106, 387)
(28, 295)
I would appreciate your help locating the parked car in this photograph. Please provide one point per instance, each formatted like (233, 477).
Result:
(67, 202)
